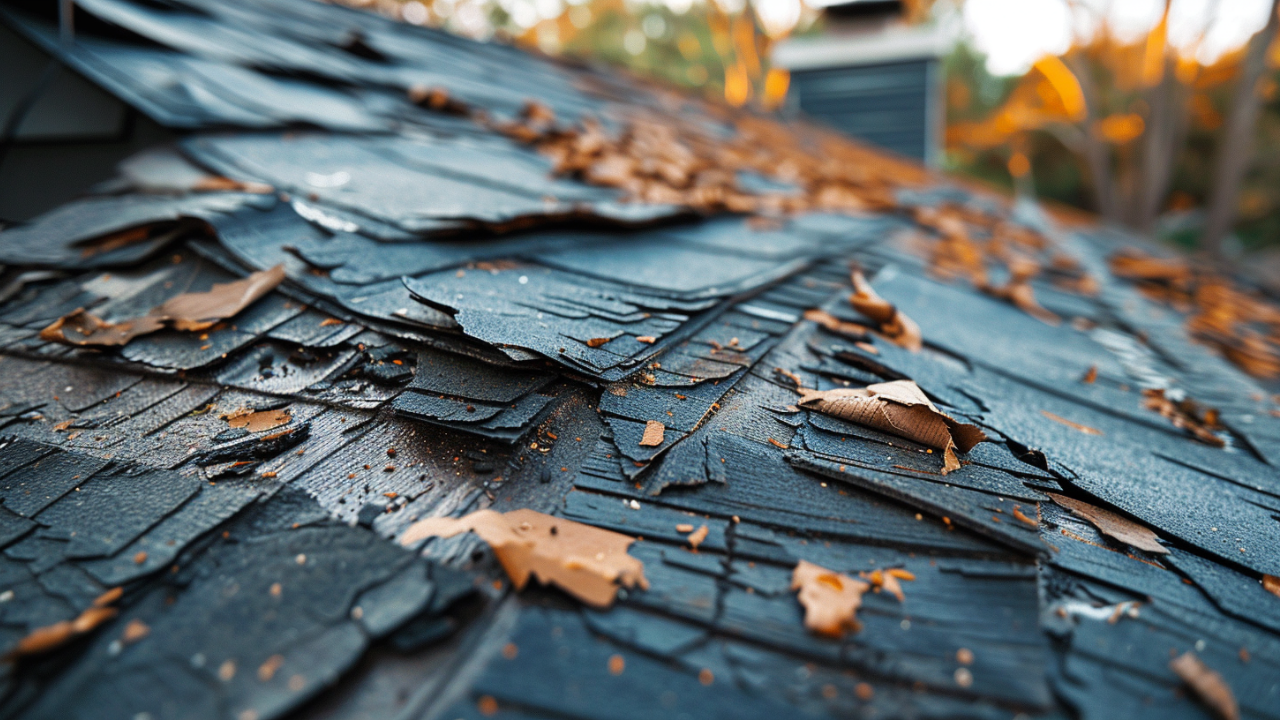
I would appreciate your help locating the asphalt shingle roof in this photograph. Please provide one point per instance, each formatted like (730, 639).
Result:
(465, 323)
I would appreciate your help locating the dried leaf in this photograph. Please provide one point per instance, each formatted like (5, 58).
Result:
(887, 580)
(438, 99)
(114, 241)
(1208, 685)
(654, 434)
(901, 408)
(830, 322)
(189, 311)
(697, 536)
(47, 638)
(1090, 375)
(795, 379)
(1073, 425)
(134, 631)
(217, 183)
(1111, 524)
(830, 599)
(1271, 584)
(892, 323)
(587, 562)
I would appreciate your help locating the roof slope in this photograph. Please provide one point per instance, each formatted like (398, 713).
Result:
(489, 302)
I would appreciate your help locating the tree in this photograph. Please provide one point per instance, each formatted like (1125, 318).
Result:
(1233, 158)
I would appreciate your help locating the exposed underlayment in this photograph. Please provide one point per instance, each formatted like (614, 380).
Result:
(212, 519)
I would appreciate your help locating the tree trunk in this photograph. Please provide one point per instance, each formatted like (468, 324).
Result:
(1166, 129)
(1237, 140)
(1096, 153)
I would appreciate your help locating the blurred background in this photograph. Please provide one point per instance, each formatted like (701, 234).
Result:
(1161, 116)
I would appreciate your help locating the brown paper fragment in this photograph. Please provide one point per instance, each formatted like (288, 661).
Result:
(258, 420)
(44, 639)
(892, 323)
(654, 433)
(1208, 685)
(1073, 425)
(830, 599)
(189, 311)
(1113, 525)
(901, 408)
(697, 536)
(1271, 584)
(587, 562)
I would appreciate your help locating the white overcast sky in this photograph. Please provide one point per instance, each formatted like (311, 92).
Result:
(1016, 33)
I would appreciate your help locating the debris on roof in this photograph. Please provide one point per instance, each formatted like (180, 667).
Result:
(831, 600)
(901, 408)
(588, 563)
(1207, 685)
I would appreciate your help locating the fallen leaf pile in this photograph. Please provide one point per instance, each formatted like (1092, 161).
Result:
(1113, 525)
(1208, 685)
(584, 561)
(830, 599)
(967, 244)
(47, 638)
(900, 408)
(666, 158)
(1243, 325)
(1186, 414)
(189, 311)
(891, 322)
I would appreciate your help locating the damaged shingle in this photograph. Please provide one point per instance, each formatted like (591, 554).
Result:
(512, 288)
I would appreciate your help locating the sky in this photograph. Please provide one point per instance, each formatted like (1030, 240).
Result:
(1016, 33)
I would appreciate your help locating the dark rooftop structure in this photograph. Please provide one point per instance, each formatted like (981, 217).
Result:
(360, 282)
(872, 76)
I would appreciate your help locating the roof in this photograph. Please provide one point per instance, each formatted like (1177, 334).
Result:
(388, 276)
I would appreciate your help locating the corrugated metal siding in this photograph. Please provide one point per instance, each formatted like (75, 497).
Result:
(889, 105)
